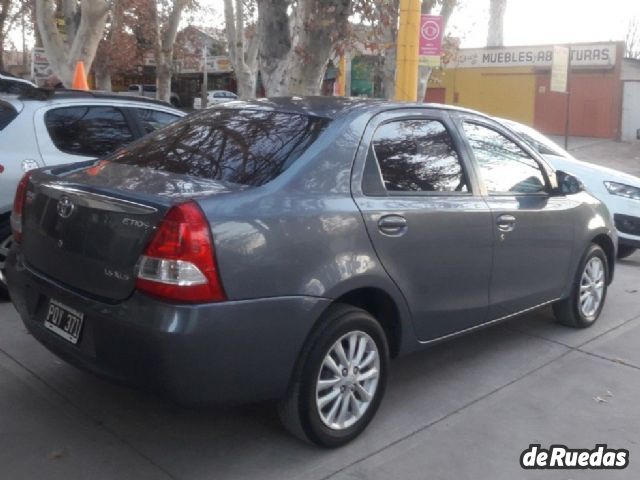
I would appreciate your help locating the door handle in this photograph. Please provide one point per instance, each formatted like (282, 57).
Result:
(506, 223)
(392, 225)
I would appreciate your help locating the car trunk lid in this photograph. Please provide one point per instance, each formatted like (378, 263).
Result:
(88, 229)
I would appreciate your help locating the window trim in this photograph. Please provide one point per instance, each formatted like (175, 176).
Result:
(462, 119)
(372, 156)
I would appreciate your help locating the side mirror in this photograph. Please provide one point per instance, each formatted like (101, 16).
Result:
(568, 184)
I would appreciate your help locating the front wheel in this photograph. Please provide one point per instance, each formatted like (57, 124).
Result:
(5, 244)
(339, 381)
(583, 307)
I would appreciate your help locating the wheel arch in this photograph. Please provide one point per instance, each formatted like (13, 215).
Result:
(604, 241)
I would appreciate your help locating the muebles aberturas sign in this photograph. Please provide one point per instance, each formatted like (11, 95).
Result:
(597, 55)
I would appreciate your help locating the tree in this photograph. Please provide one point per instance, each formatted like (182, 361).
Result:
(243, 45)
(497, 9)
(632, 39)
(10, 12)
(166, 16)
(446, 10)
(296, 41)
(84, 23)
(128, 36)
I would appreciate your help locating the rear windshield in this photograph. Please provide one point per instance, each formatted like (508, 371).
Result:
(7, 114)
(241, 146)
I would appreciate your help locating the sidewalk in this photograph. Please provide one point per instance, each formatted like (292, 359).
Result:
(623, 156)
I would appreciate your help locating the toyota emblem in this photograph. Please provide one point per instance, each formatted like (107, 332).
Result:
(65, 207)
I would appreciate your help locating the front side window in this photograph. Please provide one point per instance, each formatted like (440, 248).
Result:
(504, 166)
(418, 156)
(152, 120)
(89, 131)
(241, 146)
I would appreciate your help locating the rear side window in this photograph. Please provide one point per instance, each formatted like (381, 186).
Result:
(88, 131)
(418, 156)
(247, 147)
(7, 114)
(152, 120)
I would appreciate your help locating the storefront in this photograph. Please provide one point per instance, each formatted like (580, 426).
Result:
(513, 82)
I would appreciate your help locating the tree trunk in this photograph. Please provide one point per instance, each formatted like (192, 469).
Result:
(244, 59)
(389, 35)
(164, 40)
(495, 33)
(293, 58)
(82, 46)
(103, 77)
(274, 38)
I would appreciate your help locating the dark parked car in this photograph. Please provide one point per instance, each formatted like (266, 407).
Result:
(286, 248)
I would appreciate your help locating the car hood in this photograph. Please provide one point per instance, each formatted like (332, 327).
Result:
(580, 168)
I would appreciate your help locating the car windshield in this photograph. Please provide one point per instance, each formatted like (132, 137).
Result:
(241, 146)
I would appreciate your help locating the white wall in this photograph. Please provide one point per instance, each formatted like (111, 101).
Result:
(631, 111)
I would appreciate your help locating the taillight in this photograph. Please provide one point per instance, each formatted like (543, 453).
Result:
(179, 262)
(18, 207)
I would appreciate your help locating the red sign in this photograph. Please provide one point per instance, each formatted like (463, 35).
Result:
(431, 27)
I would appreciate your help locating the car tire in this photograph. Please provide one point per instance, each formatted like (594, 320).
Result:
(335, 412)
(625, 251)
(589, 291)
(5, 242)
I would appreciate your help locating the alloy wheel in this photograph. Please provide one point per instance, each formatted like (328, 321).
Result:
(348, 380)
(5, 244)
(591, 287)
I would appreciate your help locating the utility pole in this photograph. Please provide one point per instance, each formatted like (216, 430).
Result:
(204, 92)
(407, 57)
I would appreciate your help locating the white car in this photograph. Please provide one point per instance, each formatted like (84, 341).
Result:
(52, 127)
(14, 85)
(619, 191)
(214, 97)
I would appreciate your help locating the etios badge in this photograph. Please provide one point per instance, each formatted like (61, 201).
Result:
(65, 207)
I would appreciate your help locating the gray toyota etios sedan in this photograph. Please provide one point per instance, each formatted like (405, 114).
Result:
(287, 248)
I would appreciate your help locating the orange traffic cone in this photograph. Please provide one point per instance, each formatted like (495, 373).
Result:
(80, 78)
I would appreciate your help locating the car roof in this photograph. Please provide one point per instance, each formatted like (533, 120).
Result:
(46, 94)
(334, 107)
(13, 78)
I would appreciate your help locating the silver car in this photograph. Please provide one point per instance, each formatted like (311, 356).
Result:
(285, 249)
(53, 127)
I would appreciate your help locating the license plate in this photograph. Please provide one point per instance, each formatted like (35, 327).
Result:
(64, 321)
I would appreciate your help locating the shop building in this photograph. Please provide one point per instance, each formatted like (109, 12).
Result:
(513, 82)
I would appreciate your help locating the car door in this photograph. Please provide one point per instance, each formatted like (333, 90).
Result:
(430, 228)
(533, 229)
(76, 132)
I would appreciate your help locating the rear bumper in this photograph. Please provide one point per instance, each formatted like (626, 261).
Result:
(230, 352)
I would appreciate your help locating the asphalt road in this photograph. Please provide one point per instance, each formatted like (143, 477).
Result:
(462, 410)
(465, 409)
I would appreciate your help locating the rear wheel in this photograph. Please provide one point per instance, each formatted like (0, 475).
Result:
(340, 379)
(625, 251)
(582, 308)
(5, 244)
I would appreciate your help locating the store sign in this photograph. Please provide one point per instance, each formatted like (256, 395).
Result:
(594, 56)
(41, 69)
(430, 46)
(559, 69)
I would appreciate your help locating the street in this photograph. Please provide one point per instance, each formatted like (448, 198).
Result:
(463, 409)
